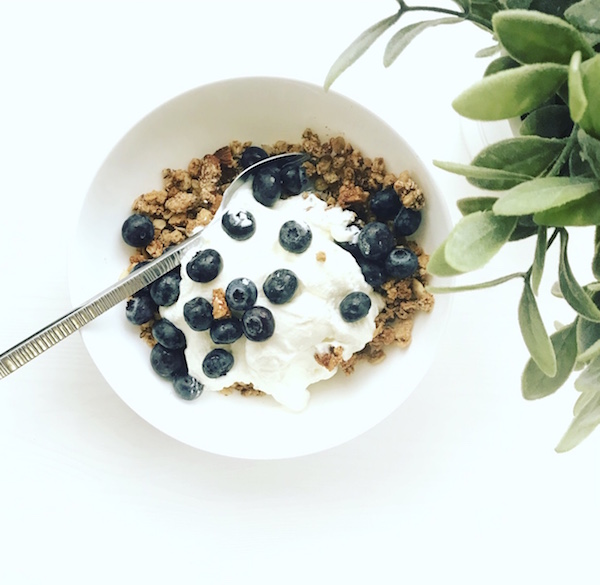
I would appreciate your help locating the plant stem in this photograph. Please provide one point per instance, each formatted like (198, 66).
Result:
(479, 286)
(466, 15)
(565, 153)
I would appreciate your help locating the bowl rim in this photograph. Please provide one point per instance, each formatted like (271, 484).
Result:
(236, 82)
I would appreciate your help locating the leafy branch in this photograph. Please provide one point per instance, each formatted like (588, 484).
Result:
(544, 180)
(478, 12)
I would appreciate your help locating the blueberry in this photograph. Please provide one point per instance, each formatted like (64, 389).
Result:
(355, 306)
(240, 225)
(168, 335)
(401, 263)
(137, 230)
(168, 363)
(205, 266)
(294, 179)
(240, 294)
(225, 331)
(373, 273)
(165, 290)
(187, 387)
(258, 324)
(295, 236)
(198, 314)
(280, 286)
(266, 185)
(385, 204)
(375, 240)
(252, 155)
(140, 308)
(217, 363)
(407, 221)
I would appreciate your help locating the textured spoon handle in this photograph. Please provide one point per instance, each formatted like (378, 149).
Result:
(50, 335)
(44, 339)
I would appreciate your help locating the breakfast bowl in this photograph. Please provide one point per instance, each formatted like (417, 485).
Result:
(261, 111)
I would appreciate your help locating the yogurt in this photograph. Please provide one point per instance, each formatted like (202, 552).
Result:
(284, 365)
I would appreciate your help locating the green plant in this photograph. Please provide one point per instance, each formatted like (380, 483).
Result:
(543, 182)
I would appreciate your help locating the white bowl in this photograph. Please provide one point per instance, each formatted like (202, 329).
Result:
(262, 110)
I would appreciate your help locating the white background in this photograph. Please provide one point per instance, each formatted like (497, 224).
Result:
(461, 484)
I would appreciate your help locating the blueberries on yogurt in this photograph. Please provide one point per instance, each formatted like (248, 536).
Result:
(258, 324)
(226, 331)
(355, 306)
(187, 387)
(217, 363)
(295, 236)
(240, 294)
(168, 363)
(198, 314)
(165, 290)
(140, 308)
(205, 266)
(280, 286)
(239, 225)
(266, 185)
(168, 335)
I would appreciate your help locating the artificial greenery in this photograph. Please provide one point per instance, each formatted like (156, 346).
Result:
(542, 183)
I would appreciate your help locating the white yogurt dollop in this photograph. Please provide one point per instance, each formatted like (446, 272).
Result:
(284, 365)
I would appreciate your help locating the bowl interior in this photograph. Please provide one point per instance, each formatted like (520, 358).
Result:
(261, 110)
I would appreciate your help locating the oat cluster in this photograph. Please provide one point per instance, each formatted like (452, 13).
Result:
(341, 176)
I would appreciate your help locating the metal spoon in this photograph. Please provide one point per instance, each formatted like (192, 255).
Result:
(50, 335)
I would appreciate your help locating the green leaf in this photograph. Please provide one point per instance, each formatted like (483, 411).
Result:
(573, 292)
(534, 383)
(487, 52)
(480, 174)
(588, 340)
(590, 75)
(476, 238)
(584, 422)
(438, 266)
(539, 259)
(405, 35)
(358, 47)
(578, 166)
(578, 103)
(590, 151)
(555, 7)
(541, 194)
(510, 93)
(551, 121)
(584, 15)
(472, 204)
(596, 261)
(582, 212)
(534, 37)
(464, 4)
(500, 64)
(517, 3)
(534, 333)
(524, 156)
(589, 379)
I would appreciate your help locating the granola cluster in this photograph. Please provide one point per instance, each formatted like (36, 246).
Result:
(341, 176)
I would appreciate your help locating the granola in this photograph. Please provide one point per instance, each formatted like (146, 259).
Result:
(341, 176)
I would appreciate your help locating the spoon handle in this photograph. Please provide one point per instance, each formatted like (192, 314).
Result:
(50, 335)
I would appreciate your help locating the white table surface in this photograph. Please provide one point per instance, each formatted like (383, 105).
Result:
(461, 484)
